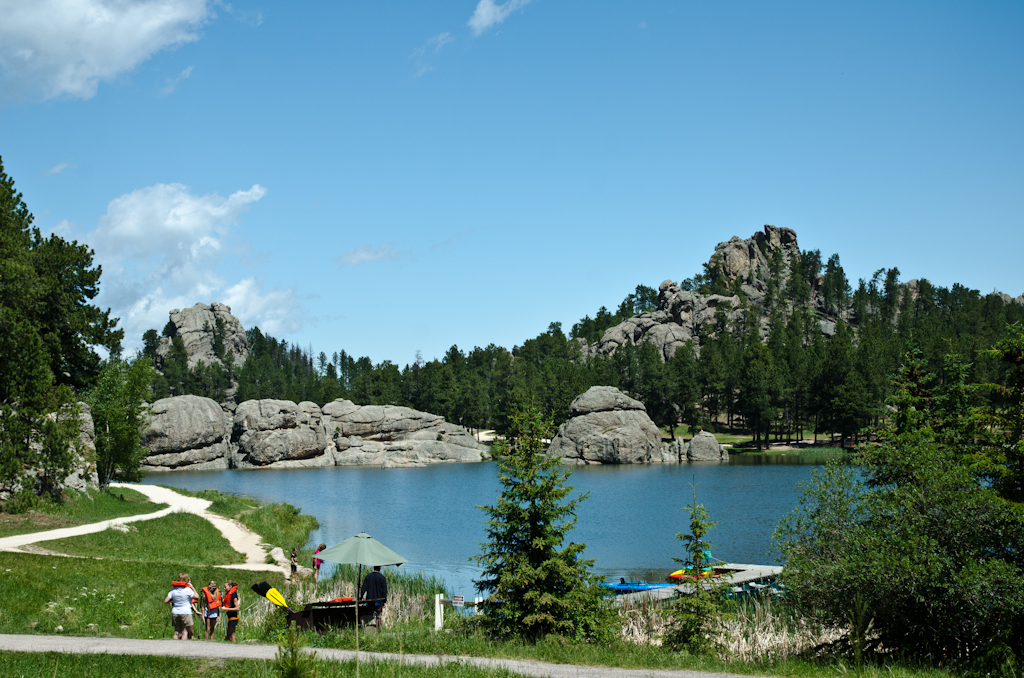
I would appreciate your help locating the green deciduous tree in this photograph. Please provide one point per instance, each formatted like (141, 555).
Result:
(118, 404)
(534, 585)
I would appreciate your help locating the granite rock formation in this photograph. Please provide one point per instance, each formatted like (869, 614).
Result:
(272, 431)
(186, 432)
(189, 432)
(605, 426)
(196, 327)
(704, 447)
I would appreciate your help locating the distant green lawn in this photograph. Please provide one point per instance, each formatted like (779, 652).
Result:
(79, 509)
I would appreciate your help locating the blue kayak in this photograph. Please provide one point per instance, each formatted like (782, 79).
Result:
(633, 586)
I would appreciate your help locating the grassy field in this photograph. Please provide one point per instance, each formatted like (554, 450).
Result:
(182, 538)
(18, 664)
(83, 597)
(78, 509)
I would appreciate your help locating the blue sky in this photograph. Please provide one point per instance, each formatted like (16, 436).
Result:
(388, 178)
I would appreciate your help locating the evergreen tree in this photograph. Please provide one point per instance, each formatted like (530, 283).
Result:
(534, 585)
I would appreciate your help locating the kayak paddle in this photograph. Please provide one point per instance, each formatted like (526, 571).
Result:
(271, 594)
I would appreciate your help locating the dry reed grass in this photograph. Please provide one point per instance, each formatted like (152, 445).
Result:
(759, 630)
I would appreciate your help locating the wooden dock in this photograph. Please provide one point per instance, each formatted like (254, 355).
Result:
(740, 575)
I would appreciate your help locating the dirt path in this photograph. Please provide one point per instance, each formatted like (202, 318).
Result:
(217, 650)
(241, 538)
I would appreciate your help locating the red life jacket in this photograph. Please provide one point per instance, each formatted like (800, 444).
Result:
(229, 599)
(212, 601)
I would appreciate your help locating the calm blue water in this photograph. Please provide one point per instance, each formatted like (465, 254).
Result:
(629, 521)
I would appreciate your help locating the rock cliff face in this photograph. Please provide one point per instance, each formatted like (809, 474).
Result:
(186, 432)
(193, 433)
(196, 327)
(605, 426)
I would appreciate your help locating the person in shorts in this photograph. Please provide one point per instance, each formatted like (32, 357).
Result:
(317, 562)
(232, 605)
(181, 598)
(211, 602)
(295, 563)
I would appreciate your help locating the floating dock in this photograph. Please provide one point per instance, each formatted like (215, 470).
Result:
(737, 575)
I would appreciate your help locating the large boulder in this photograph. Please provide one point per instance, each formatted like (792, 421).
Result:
(704, 447)
(84, 477)
(606, 426)
(270, 431)
(196, 327)
(393, 436)
(186, 432)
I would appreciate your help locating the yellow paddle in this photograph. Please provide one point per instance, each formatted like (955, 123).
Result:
(271, 594)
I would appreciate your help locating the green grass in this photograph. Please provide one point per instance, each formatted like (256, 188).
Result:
(79, 508)
(87, 597)
(176, 538)
(18, 664)
(227, 505)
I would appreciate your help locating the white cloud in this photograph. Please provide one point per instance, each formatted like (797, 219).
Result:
(488, 14)
(58, 168)
(431, 47)
(51, 48)
(276, 311)
(160, 247)
(173, 82)
(365, 254)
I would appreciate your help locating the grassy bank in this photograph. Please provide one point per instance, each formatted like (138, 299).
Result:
(280, 525)
(78, 508)
(179, 538)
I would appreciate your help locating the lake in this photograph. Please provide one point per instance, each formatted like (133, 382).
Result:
(629, 521)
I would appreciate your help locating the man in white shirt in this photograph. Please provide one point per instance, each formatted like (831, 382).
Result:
(182, 599)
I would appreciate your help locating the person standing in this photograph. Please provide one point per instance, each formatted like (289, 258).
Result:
(182, 599)
(212, 603)
(295, 563)
(231, 607)
(317, 562)
(375, 587)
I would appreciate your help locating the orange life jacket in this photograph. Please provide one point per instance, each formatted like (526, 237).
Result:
(228, 600)
(212, 601)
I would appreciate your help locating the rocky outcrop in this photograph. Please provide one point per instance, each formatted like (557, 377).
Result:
(198, 329)
(84, 477)
(193, 433)
(685, 315)
(704, 447)
(392, 436)
(272, 431)
(605, 426)
(186, 432)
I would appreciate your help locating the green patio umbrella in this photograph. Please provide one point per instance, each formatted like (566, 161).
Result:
(360, 550)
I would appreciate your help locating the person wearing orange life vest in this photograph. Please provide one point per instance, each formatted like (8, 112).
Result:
(232, 603)
(183, 599)
(212, 602)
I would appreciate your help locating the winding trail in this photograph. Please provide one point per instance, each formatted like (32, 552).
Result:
(241, 538)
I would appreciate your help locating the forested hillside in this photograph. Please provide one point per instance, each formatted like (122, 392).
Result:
(785, 344)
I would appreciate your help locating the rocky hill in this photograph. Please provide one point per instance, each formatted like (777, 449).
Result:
(200, 328)
(750, 274)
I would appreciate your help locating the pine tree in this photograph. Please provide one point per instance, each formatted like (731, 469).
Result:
(535, 586)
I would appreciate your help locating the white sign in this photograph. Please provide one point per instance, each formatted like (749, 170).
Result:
(457, 601)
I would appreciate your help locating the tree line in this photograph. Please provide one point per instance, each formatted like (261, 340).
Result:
(770, 370)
